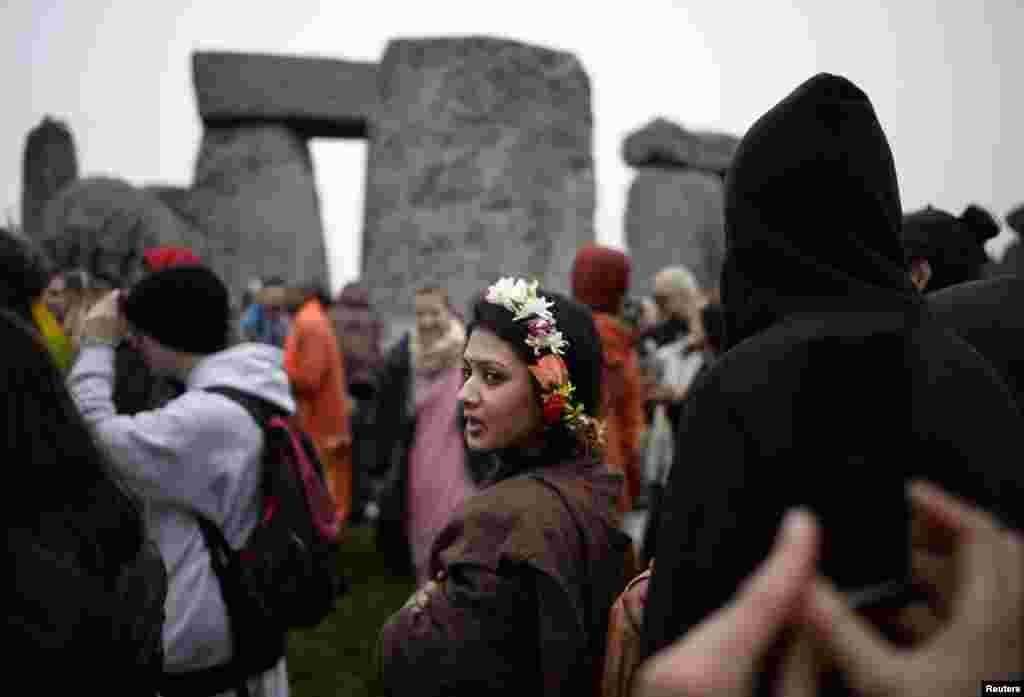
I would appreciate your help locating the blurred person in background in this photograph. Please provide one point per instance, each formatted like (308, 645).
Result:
(25, 274)
(417, 439)
(359, 331)
(944, 249)
(316, 372)
(600, 281)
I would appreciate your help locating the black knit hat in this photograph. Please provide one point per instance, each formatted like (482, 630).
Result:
(183, 307)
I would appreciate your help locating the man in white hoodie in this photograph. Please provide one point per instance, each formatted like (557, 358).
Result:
(199, 453)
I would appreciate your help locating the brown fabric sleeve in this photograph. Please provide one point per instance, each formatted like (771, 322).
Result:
(476, 634)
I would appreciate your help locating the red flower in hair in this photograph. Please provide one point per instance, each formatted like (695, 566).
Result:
(554, 404)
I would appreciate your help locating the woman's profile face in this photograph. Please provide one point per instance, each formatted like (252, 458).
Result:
(499, 402)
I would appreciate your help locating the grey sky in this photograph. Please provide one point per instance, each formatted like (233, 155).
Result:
(945, 77)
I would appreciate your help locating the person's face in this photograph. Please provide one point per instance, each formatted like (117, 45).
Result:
(672, 302)
(431, 316)
(497, 395)
(55, 297)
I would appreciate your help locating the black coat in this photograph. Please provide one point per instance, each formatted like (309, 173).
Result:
(837, 386)
(989, 315)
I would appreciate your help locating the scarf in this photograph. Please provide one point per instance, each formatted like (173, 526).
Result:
(56, 340)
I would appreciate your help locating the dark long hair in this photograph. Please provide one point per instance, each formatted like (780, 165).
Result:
(583, 357)
(66, 489)
(25, 271)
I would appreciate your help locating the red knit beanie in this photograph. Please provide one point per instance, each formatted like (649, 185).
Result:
(160, 258)
(600, 277)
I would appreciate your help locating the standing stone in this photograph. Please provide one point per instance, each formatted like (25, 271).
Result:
(50, 161)
(479, 166)
(675, 216)
(104, 225)
(675, 205)
(254, 195)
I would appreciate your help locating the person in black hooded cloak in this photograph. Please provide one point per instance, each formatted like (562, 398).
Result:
(836, 387)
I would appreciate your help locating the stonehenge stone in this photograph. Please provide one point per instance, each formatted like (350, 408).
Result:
(104, 225)
(662, 143)
(255, 197)
(479, 166)
(314, 96)
(675, 217)
(50, 162)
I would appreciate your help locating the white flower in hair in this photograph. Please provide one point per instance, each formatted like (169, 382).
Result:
(508, 292)
(535, 306)
(552, 341)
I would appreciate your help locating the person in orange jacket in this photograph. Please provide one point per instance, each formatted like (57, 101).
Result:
(316, 371)
(600, 279)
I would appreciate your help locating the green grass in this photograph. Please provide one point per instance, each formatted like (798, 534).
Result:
(339, 657)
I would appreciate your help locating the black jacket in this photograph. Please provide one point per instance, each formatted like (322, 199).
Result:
(989, 315)
(837, 386)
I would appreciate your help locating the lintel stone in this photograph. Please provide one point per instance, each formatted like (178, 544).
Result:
(316, 97)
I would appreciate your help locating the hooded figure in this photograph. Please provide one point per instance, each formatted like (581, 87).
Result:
(943, 249)
(836, 387)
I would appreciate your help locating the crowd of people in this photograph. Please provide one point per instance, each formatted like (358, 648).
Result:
(824, 444)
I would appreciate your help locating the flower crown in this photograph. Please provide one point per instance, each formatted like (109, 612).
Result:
(521, 299)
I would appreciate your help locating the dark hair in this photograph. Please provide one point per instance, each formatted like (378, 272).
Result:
(44, 434)
(77, 279)
(25, 271)
(953, 245)
(583, 357)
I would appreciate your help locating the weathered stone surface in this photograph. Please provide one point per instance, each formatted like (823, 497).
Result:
(255, 197)
(315, 96)
(50, 162)
(104, 225)
(480, 166)
(662, 143)
(675, 217)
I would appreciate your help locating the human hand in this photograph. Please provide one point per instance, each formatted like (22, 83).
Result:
(983, 635)
(104, 321)
(722, 655)
(421, 598)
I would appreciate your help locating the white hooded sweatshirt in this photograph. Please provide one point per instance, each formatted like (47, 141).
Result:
(201, 452)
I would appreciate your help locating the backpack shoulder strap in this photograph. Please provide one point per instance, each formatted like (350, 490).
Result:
(259, 409)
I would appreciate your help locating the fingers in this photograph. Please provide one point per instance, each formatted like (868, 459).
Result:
(854, 645)
(800, 670)
(942, 515)
(768, 598)
(720, 656)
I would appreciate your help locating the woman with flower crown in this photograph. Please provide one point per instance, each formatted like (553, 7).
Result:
(524, 574)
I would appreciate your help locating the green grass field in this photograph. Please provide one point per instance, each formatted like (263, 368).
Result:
(339, 657)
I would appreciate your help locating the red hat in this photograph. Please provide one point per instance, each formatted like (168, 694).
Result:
(600, 277)
(160, 258)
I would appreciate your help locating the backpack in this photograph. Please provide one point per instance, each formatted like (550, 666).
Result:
(285, 576)
(622, 654)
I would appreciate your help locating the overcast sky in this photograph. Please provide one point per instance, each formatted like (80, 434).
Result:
(945, 76)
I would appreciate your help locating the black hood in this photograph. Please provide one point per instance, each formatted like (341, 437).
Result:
(812, 213)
